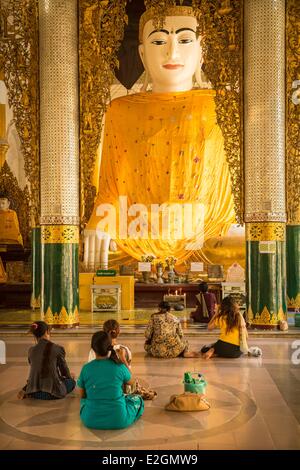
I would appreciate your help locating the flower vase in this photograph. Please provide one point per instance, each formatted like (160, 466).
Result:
(159, 275)
(146, 276)
(171, 276)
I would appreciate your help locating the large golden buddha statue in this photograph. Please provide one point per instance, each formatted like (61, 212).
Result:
(164, 149)
(9, 224)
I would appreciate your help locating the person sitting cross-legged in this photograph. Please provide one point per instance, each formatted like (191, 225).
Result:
(103, 402)
(49, 377)
(164, 335)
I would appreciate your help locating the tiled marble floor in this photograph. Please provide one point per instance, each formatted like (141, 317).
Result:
(255, 402)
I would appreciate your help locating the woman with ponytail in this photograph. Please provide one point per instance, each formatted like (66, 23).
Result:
(103, 403)
(49, 377)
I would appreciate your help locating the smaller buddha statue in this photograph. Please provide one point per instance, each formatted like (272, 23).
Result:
(9, 224)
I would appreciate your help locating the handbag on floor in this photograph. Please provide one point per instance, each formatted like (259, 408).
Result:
(187, 402)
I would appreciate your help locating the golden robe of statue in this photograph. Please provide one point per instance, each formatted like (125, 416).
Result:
(165, 148)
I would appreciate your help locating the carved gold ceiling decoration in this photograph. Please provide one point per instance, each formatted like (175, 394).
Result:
(19, 200)
(293, 110)
(19, 62)
(101, 29)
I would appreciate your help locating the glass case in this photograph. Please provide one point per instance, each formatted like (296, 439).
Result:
(105, 297)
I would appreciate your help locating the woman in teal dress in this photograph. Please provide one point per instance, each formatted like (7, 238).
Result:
(103, 403)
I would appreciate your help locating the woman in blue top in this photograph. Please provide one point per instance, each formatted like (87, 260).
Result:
(103, 403)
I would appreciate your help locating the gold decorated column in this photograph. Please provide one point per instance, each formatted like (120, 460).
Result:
(264, 124)
(59, 127)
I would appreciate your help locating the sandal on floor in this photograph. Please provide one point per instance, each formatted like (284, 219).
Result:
(145, 393)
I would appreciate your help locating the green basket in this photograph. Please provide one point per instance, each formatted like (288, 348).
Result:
(196, 388)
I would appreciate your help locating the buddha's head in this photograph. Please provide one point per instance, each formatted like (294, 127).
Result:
(171, 55)
(4, 203)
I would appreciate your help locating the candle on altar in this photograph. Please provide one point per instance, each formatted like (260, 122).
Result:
(176, 292)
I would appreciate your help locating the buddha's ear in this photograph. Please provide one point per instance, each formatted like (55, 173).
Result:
(141, 52)
(147, 76)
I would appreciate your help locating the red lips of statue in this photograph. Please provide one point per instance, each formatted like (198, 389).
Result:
(172, 66)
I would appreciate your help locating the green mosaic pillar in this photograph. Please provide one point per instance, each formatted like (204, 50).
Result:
(36, 267)
(266, 270)
(264, 151)
(59, 151)
(293, 266)
(60, 300)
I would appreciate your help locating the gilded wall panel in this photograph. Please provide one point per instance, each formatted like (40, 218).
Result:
(293, 110)
(101, 28)
(19, 63)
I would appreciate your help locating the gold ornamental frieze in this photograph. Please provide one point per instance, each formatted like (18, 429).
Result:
(265, 231)
(59, 234)
(265, 317)
(294, 302)
(265, 216)
(62, 318)
(59, 220)
(293, 110)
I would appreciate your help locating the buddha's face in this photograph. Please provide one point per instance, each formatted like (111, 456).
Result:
(4, 204)
(171, 55)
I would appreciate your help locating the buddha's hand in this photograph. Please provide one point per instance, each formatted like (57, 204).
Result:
(97, 245)
(113, 246)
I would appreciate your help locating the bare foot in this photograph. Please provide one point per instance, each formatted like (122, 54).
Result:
(191, 354)
(21, 395)
(209, 353)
